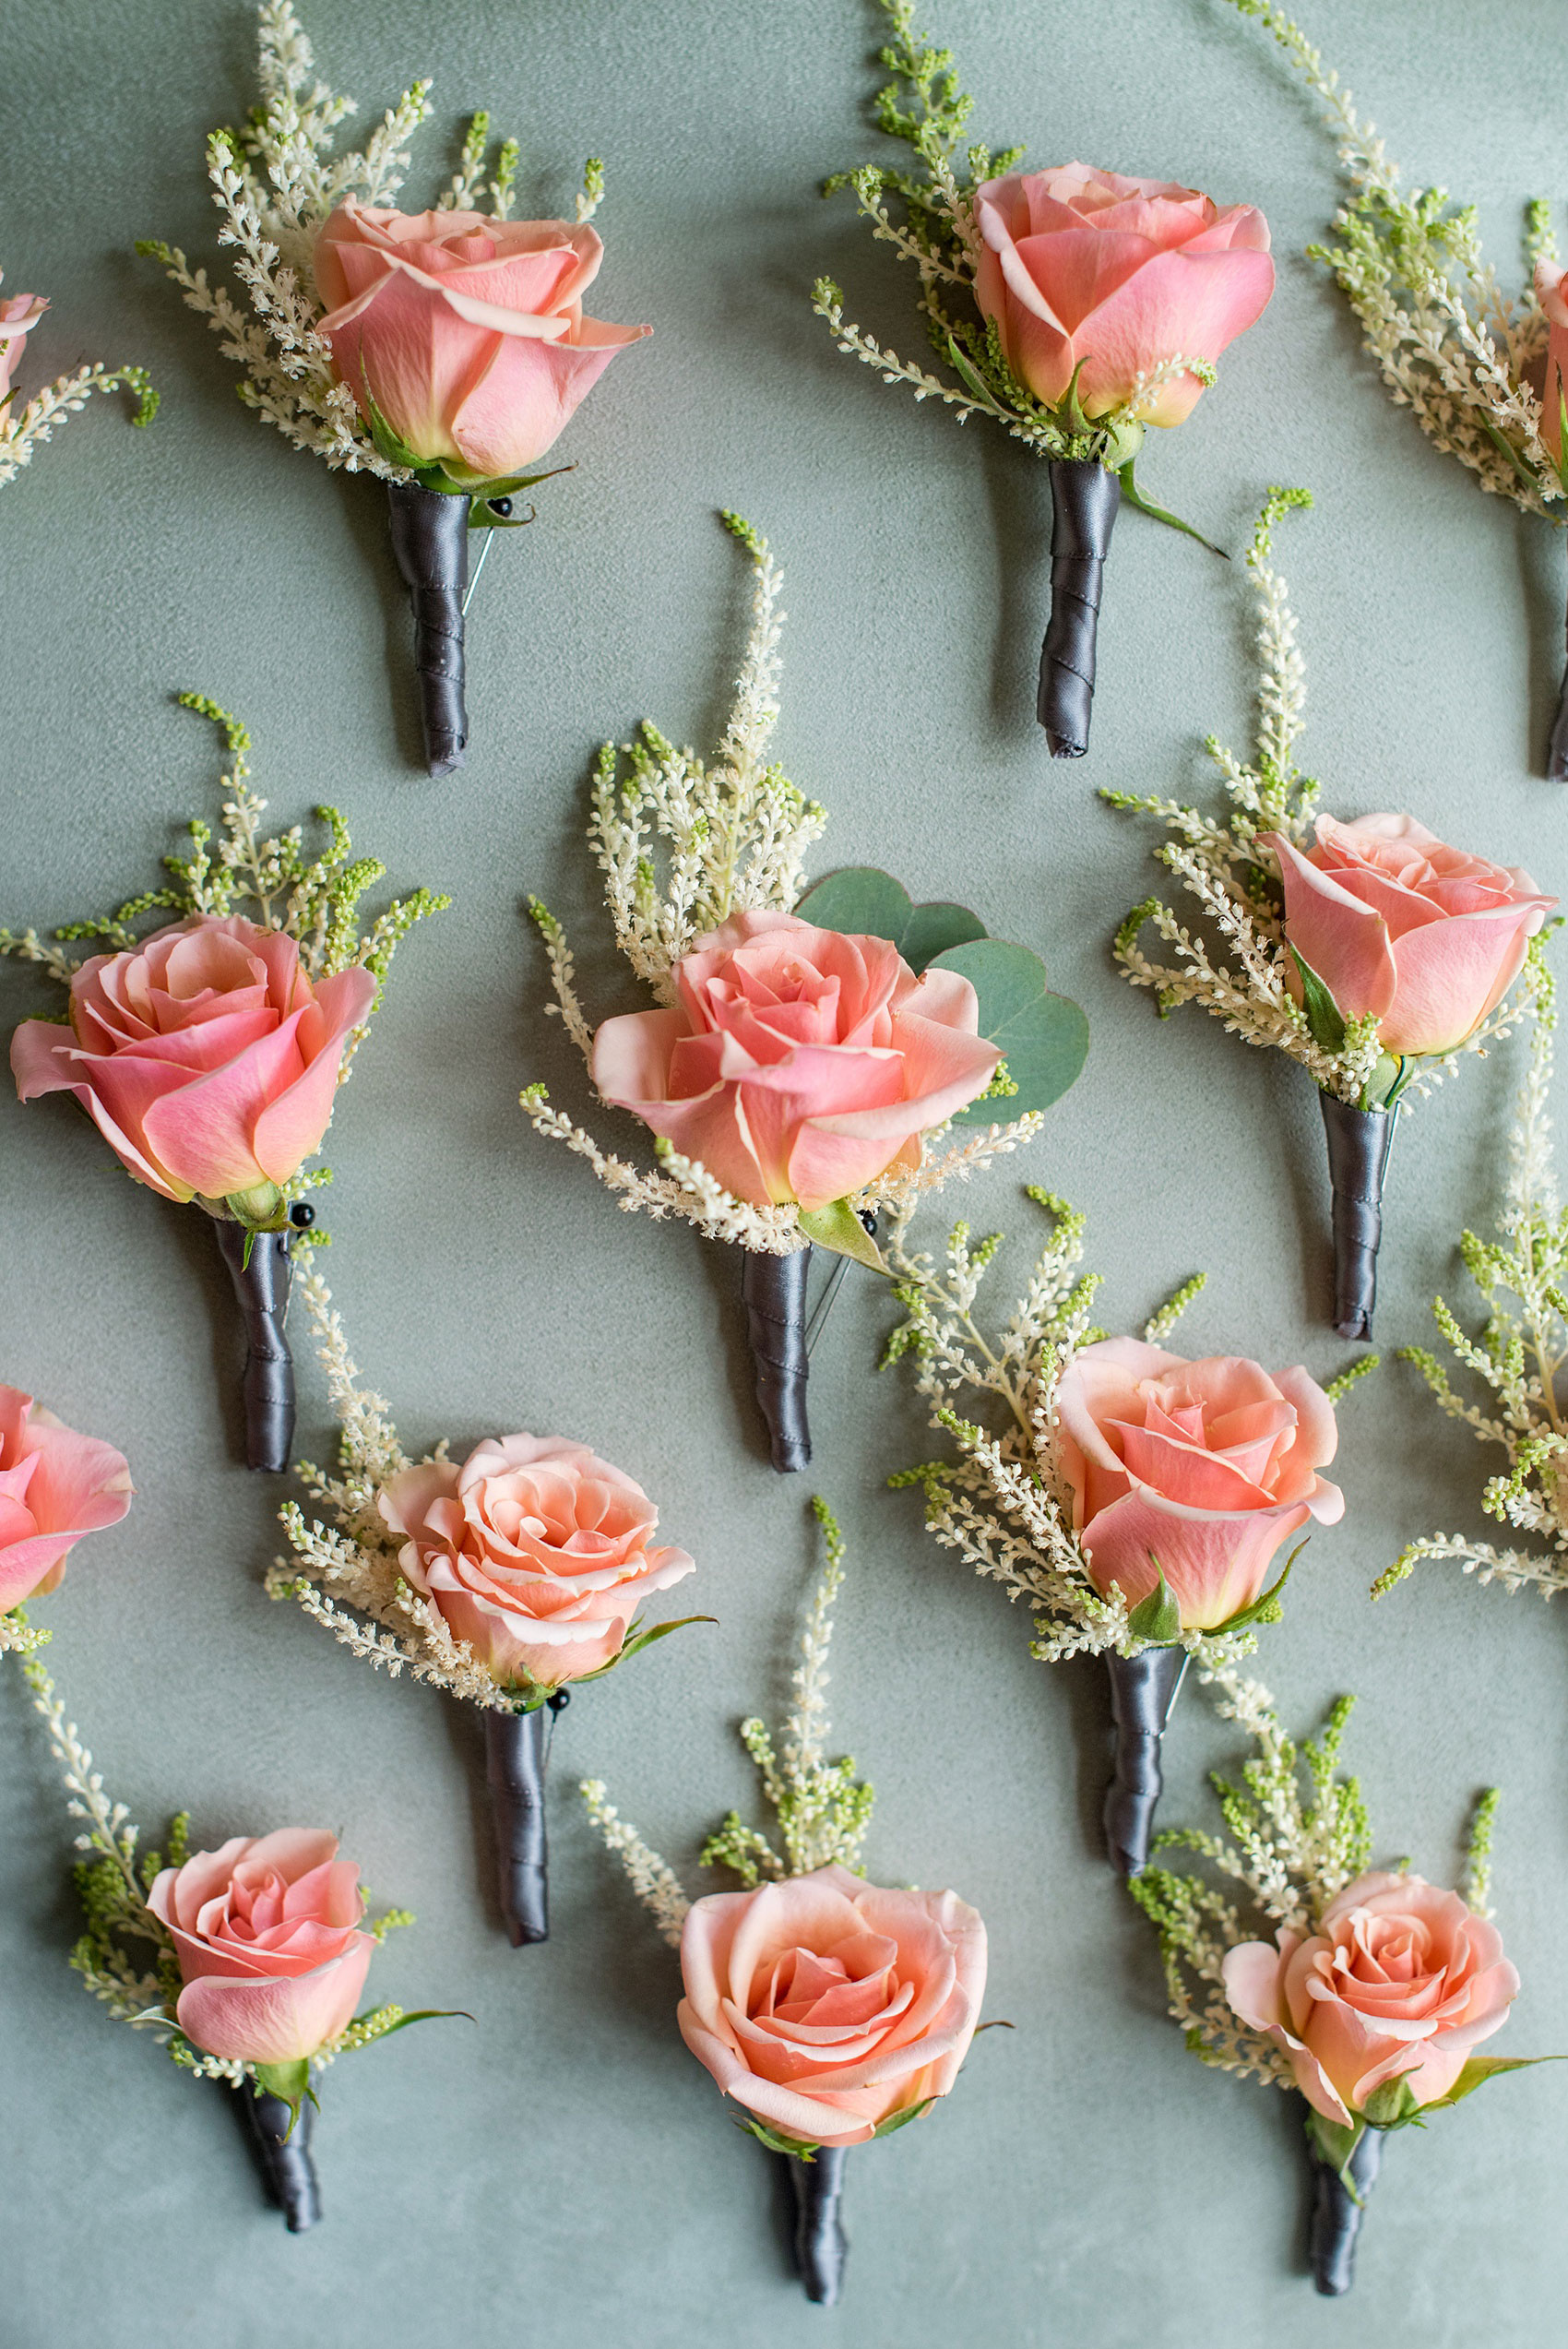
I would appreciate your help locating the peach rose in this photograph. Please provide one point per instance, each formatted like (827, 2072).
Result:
(535, 1551)
(269, 1954)
(205, 1055)
(466, 332)
(20, 313)
(825, 2005)
(1400, 1981)
(801, 1063)
(1426, 938)
(1195, 1469)
(1084, 268)
(54, 1486)
(1551, 293)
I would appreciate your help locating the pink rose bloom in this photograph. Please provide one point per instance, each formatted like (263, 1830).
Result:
(1205, 1467)
(535, 1551)
(1425, 937)
(1551, 293)
(271, 1956)
(1401, 1980)
(825, 2005)
(466, 332)
(801, 1064)
(18, 313)
(205, 1055)
(1082, 266)
(54, 1486)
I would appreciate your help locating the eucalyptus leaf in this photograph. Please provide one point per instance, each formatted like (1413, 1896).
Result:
(867, 902)
(1043, 1037)
(838, 1228)
(1157, 1618)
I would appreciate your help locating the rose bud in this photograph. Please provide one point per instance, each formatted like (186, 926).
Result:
(54, 1486)
(827, 2006)
(1423, 937)
(20, 313)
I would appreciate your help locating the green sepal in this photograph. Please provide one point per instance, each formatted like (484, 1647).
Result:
(901, 2120)
(1134, 497)
(1391, 1073)
(867, 902)
(838, 1228)
(1264, 1608)
(262, 1208)
(290, 2082)
(1393, 2106)
(793, 2146)
(529, 1694)
(1478, 2070)
(1158, 1618)
(420, 2014)
(1043, 1037)
(483, 494)
(1335, 2144)
(1323, 1016)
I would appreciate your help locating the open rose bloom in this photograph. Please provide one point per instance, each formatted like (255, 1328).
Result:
(1551, 293)
(1423, 937)
(1401, 1981)
(1196, 1470)
(827, 2006)
(54, 1486)
(206, 1056)
(466, 332)
(271, 1953)
(1086, 270)
(535, 1551)
(800, 1063)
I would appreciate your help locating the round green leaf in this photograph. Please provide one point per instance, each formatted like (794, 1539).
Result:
(867, 902)
(1044, 1038)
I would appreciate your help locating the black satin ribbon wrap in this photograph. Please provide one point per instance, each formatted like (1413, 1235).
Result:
(821, 2246)
(1358, 1144)
(1557, 749)
(774, 1291)
(516, 1748)
(262, 1288)
(286, 2165)
(1143, 1693)
(1336, 2220)
(430, 538)
(1084, 498)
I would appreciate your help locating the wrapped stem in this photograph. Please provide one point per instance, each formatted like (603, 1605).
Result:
(1358, 1144)
(774, 1289)
(1085, 497)
(1557, 749)
(1337, 2216)
(821, 2246)
(430, 538)
(1143, 1695)
(260, 1269)
(516, 1751)
(286, 2165)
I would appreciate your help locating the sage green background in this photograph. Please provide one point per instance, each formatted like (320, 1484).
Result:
(566, 2172)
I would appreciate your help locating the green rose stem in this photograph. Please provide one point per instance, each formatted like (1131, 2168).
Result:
(1336, 2213)
(774, 1291)
(1358, 1144)
(821, 2246)
(259, 1268)
(516, 1754)
(430, 538)
(1085, 497)
(286, 2165)
(1143, 1690)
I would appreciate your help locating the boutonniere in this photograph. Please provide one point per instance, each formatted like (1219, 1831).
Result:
(245, 1963)
(1376, 1987)
(506, 1580)
(1369, 950)
(54, 1486)
(1075, 307)
(443, 351)
(816, 1061)
(1523, 1277)
(1483, 376)
(831, 2010)
(24, 430)
(208, 1050)
(1135, 1500)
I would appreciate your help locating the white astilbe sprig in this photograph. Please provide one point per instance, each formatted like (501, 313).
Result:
(1520, 1353)
(24, 430)
(273, 183)
(822, 1808)
(682, 845)
(1233, 880)
(1452, 347)
(1003, 1503)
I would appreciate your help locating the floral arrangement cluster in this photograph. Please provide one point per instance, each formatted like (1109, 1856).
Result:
(24, 430)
